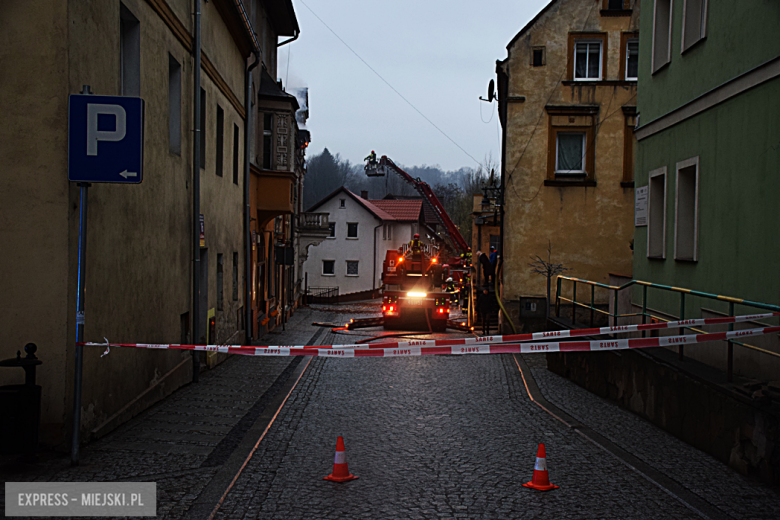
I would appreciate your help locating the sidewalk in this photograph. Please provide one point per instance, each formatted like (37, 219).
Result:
(183, 441)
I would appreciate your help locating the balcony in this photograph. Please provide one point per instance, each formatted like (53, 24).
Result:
(313, 225)
(273, 193)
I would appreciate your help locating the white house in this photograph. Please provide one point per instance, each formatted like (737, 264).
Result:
(361, 232)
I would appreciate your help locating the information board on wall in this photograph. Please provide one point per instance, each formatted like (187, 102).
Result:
(640, 206)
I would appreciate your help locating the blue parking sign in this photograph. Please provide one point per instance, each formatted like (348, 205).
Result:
(105, 139)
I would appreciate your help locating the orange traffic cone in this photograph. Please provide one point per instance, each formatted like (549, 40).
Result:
(541, 480)
(340, 469)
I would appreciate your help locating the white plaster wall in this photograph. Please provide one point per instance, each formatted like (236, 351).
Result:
(342, 248)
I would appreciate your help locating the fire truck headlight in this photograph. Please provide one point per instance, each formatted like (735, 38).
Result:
(416, 294)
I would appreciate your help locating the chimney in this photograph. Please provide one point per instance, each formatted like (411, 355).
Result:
(364, 194)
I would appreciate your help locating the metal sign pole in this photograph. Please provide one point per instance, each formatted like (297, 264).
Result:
(74, 453)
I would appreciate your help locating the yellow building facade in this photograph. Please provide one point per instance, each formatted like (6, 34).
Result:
(567, 97)
(139, 249)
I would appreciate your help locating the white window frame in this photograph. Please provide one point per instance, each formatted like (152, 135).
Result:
(584, 155)
(702, 26)
(357, 231)
(600, 43)
(693, 161)
(653, 65)
(333, 236)
(346, 268)
(342, 203)
(628, 42)
(323, 267)
(656, 173)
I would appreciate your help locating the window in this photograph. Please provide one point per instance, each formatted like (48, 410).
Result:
(662, 33)
(632, 60)
(656, 228)
(352, 230)
(202, 128)
(570, 153)
(235, 276)
(220, 139)
(267, 136)
(331, 230)
(494, 239)
(235, 154)
(538, 56)
(612, 5)
(389, 232)
(587, 60)
(629, 142)
(342, 203)
(586, 56)
(129, 52)
(174, 105)
(571, 143)
(352, 268)
(329, 268)
(220, 266)
(686, 225)
(694, 22)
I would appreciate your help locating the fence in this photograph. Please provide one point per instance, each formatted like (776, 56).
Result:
(322, 295)
(614, 315)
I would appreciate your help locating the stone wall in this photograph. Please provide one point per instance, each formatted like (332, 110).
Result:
(693, 404)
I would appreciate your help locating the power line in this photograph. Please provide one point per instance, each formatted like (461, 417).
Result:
(387, 82)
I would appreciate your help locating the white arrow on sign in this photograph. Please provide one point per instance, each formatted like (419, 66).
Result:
(127, 174)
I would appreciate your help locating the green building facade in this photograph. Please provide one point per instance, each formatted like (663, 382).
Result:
(709, 152)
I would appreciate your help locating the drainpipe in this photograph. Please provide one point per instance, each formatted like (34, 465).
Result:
(503, 87)
(373, 280)
(247, 206)
(196, 199)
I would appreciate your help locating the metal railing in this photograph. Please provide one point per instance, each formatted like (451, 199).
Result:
(322, 295)
(614, 289)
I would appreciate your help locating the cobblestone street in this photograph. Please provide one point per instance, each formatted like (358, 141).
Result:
(428, 437)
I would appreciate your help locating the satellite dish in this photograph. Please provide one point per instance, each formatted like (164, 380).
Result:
(491, 91)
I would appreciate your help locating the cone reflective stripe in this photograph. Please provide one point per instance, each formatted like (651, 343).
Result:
(541, 479)
(340, 469)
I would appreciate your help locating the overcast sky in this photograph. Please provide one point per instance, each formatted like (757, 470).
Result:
(439, 54)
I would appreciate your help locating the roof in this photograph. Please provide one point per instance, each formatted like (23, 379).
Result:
(405, 210)
(429, 214)
(368, 205)
(269, 89)
(282, 13)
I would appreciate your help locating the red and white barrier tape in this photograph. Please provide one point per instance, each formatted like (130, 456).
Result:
(485, 340)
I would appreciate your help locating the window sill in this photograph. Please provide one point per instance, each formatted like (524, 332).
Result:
(687, 260)
(560, 183)
(616, 12)
(599, 82)
(662, 67)
(323, 274)
(627, 184)
(352, 275)
(656, 258)
(353, 238)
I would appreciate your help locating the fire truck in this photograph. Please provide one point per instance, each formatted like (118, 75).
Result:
(414, 295)
(414, 275)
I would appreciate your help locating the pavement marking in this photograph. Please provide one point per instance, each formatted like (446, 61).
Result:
(686, 497)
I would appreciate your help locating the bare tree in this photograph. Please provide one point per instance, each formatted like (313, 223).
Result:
(547, 269)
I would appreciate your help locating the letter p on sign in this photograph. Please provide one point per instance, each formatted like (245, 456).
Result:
(94, 135)
(105, 139)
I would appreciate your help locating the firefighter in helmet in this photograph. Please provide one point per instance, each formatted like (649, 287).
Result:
(371, 158)
(414, 245)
